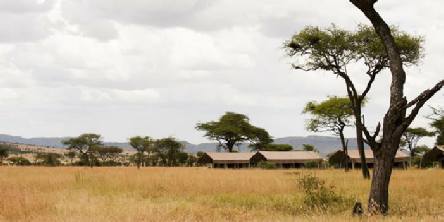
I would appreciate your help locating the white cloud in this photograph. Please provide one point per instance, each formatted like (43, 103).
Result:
(158, 67)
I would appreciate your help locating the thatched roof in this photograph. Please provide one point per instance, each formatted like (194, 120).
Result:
(230, 157)
(354, 155)
(290, 156)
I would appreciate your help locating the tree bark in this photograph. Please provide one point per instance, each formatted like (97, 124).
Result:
(360, 141)
(344, 148)
(378, 198)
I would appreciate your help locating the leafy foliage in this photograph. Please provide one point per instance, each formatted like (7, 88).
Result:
(333, 48)
(319, 196)
(438, 124)
(232, 129)
(411, 138)
(142, 145)
(86, 145)
(331, 115)
(309, 147)
(19, 161)
(168, 150)
(48, 159)
(277, 147)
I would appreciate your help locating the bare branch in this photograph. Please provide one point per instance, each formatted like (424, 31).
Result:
(371, 139)
(419, 102)
(426, 94)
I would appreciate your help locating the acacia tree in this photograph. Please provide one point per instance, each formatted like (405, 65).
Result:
(397, 119)
(331, 115)
(168, 150)
(4, 152)
(438, 124)
(142, 145)
(411, 138)
(85, 144)
(334, 50)
(309, 147)
(232, 129)
(108, 154)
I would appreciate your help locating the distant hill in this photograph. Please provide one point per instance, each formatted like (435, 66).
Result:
(325, 144)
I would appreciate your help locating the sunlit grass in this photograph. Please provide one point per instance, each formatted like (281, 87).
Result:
(201, 194)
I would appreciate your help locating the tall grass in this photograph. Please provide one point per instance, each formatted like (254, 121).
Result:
(201, 194)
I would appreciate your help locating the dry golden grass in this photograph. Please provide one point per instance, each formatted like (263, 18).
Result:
(201, 194)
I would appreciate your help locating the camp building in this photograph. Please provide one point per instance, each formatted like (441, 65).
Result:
(339, 158)
(288, 159)
(283, 159)
(226, 160)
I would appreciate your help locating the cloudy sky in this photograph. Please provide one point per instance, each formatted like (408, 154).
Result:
(157, 67)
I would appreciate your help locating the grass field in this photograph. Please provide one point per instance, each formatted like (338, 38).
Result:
(202, 194)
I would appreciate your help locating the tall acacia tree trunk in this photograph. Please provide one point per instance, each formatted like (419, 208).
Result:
(382, 171)
(395, 120)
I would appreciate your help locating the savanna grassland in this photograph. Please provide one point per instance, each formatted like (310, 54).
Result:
(202, 194)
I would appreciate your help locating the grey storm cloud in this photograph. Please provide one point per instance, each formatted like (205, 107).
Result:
(122, 68)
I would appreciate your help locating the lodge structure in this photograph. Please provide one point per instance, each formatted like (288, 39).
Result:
(226, 160)
(435, 155)
(287, 159)
(339, 158)
(280, 159)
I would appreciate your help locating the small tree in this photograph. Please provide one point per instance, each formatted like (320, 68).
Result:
(309, 147)
(142, 145)
(168, 150)
(108, 154)
(438, 124)
(71, 155)
(332, 115)
(85, 144)
(411, 138)
(4, 152)
(48, 159)
(232, 129)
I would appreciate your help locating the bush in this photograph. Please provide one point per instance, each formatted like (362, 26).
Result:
(266, 165)
(320, 196)
(19, 161)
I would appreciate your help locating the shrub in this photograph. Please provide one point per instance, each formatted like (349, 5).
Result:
(19, 161)
(320, 196)
(266, 165)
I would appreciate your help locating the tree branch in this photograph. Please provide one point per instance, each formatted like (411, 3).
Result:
(371, 139)
(426, 94)
(419, 102)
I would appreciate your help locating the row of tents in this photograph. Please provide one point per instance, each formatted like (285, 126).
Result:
(297, 159)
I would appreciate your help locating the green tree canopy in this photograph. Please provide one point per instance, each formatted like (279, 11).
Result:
(85, 144)
(309, 147)
(234, 128)
(411, 138)
(4, 152)
(277, 147)
(438, 124)
(168, 150)
(108, 153)
(331, 115)
(142, 145)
